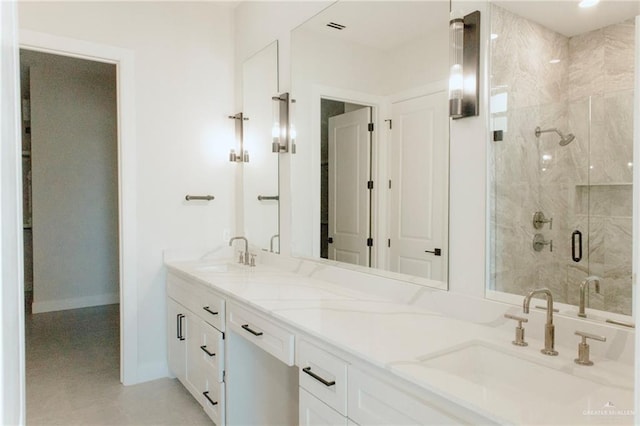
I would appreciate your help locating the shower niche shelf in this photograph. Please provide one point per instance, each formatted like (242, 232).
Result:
(612, 200)
(580, 185)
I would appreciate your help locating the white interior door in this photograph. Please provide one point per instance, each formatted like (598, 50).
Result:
(419, 197)
(349, 174)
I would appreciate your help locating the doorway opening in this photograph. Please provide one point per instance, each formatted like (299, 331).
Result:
(346, 153)
(71, 218)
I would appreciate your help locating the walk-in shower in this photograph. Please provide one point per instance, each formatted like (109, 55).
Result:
(564, 139)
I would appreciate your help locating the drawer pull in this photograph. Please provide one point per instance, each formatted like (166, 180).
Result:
(206, 308)
(204, 348)
(318, 378)
(255, 333)
(206, 395)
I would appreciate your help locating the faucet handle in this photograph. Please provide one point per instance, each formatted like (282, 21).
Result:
(519, 329)
(241, 258)
(583, 347)
(253, 260)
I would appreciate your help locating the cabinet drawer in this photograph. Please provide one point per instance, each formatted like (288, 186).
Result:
(263, 332)
(375, 402)
(314, 412)
(211, 309)
(212, 351)
(324, 375)
(212, 400)
(194, 296)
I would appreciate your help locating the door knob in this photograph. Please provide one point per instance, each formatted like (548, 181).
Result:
(435, 252)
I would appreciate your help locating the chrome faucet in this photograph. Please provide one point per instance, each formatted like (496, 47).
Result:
(244, 258)
(271, 242)
(549, 330)
(583, 288)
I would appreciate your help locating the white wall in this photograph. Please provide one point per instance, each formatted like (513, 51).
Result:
(183, 94)
(75, 182)
(12, 390)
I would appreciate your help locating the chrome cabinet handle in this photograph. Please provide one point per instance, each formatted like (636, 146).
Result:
(255, 333)
(206, 308)
(206, 395)
(318, 378)
(204, 348)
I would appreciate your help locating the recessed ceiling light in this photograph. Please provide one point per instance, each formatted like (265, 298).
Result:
(494, 36)
(588, 3)
(554, 61)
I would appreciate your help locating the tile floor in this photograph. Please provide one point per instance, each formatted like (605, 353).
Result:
(72, 368)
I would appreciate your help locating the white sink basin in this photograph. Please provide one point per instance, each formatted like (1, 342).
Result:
(219, 268)
(515, 386)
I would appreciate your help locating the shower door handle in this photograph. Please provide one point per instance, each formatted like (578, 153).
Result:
(576, 245)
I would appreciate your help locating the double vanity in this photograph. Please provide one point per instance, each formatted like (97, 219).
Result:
(293, 341)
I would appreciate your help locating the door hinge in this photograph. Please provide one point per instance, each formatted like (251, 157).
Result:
(390, 123)
(389, 183)
(224, 375)
(370, 184)
(371, 127)
(330, 240)
(389, 242)
(369, 242)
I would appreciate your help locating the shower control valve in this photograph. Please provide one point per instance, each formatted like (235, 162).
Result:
(539, 242)
(539, 220)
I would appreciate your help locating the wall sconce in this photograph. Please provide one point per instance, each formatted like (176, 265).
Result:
(464, 71)
(281, 132)
(243, 157)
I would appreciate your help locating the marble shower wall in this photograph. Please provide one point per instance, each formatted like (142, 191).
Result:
(581, 85)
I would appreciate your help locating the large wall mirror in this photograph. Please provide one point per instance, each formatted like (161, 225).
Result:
(260, 173)
(370, 173)
(561, 172)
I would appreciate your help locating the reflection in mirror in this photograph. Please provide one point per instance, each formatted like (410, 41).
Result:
(370, 174)
(562, 93)
(260, 174)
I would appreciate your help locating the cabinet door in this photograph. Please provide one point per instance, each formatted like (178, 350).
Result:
(314, 412)
(177, 344)
(213, 399)
(212, 351)
(194, 380)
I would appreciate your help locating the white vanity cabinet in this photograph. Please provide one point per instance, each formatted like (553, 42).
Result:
(336, 392)
(323, 386)
(195, 346)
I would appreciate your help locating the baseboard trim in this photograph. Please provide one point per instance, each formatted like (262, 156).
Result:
(75, 303)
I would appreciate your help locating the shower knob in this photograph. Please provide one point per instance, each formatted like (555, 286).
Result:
(539, 220)
(539, 243)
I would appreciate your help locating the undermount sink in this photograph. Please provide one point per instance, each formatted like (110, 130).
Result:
(490, 376)
(220, 267)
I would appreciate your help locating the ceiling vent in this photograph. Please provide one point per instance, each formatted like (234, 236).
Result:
(336, 26)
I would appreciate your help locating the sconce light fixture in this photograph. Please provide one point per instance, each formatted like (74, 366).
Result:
(464, 57)
(282, 134)
(243, 156)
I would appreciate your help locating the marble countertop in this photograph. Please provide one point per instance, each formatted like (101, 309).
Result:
(473, 365)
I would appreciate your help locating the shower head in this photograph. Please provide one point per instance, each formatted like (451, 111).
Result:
(564, 139)
(567, 139)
